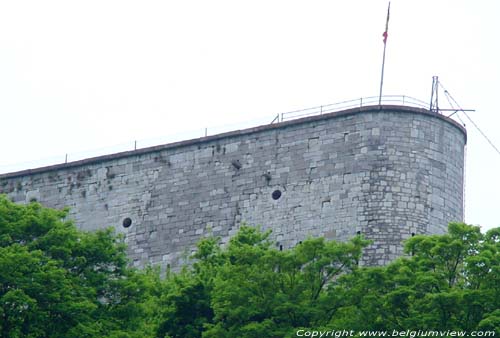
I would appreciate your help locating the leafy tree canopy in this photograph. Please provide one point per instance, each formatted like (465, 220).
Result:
(250, 289)
(447, 282)
(57, 281)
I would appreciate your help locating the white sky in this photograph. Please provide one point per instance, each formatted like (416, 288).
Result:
(77, 76)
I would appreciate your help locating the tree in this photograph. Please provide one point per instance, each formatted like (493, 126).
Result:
(250, 289)
(447, 282)
(185, 302)
(57, 281)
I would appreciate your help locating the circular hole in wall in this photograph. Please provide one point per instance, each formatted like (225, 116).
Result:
(127, 222)
(276, 194)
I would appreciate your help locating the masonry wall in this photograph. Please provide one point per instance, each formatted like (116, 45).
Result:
(386, 172)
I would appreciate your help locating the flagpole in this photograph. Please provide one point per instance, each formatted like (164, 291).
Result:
(382, 78)
(383, 56)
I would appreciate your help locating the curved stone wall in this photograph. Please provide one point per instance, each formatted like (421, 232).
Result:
(386, 172)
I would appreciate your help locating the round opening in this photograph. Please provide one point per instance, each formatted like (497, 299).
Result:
(127, 222)
(276, 194)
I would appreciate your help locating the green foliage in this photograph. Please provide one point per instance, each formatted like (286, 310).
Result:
(449, 282)
(57, 281)
(250, 289)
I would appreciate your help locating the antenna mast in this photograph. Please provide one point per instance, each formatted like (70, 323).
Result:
(434, 106)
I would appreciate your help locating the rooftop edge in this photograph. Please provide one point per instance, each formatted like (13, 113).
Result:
(247, 131)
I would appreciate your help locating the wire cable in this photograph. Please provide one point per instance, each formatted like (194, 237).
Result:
(446, 94)
(468, 117)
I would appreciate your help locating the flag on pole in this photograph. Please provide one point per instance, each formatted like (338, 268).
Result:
(387, 24)
(383, 55)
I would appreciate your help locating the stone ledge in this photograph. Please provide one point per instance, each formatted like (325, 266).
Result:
(185, 143)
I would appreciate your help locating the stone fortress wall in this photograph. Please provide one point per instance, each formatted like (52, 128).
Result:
(383, 171)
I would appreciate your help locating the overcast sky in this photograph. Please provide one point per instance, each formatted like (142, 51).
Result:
(87, 77)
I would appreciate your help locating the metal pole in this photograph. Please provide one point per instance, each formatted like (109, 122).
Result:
(437, 91)
(434, 95)
(382, 78)
(383, 57)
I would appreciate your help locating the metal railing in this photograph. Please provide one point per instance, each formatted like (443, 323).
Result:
(140, 144)
(403, 100)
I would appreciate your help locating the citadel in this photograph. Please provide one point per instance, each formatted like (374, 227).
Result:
(385, 171)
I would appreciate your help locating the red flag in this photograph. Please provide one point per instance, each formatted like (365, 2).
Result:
(385, 34)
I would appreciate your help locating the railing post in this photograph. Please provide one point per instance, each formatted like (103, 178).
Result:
(403, 100)
(321, 110)
(361, 102)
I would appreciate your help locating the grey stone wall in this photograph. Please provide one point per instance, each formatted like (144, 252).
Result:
(386, 172)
